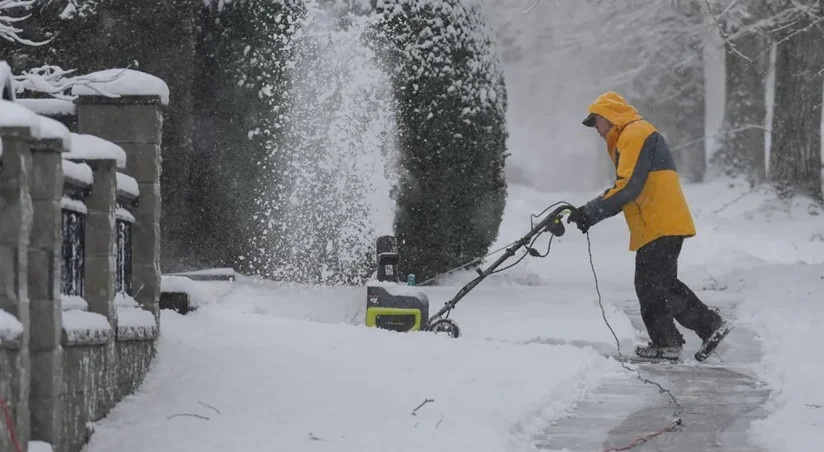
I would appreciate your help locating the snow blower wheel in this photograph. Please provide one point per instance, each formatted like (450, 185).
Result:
(445, 326)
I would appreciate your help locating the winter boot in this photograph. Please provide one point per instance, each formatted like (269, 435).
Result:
(711, 342)
(652, 351)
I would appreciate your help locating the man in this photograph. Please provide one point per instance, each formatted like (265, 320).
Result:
(649, 193)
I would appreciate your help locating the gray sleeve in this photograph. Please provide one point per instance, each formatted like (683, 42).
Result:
(600, 209)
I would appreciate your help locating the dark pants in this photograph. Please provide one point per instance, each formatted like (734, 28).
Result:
(664, 297)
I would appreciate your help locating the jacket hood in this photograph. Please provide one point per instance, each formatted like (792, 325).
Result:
(615, 109)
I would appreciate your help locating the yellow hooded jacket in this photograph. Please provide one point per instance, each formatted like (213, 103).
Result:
(647, 189)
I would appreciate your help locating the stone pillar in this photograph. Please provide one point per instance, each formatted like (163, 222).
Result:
(101, 240)
(45, 266)
(15, 227)
(135, 123)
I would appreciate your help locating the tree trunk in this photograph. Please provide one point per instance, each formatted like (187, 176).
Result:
(742, 141)
(795, 158)
(689, 149)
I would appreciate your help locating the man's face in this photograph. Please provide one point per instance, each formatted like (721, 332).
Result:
(603, 126)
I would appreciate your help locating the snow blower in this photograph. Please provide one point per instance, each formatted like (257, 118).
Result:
(391, 305)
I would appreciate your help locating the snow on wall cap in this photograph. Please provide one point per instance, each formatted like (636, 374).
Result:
(79, 172)
(123, 82)
(49, 107)
(90, 147)
(55, 130)
(127, 184)
(15, 115)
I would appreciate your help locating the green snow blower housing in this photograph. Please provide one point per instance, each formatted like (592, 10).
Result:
(389, 304)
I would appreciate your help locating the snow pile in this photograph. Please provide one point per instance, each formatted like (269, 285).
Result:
(127, 184)
(123, 82)
(784, 305)
(349, 388)
(133, 322)
(49, 107)
(78, 172)
(10, 327)
(561, 315)
(199, 293)
(84, 327)
(743, 228)
(90, 147)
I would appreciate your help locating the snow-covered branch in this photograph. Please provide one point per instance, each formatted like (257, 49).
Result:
(48, 79)
(8, 30)
(53, 81)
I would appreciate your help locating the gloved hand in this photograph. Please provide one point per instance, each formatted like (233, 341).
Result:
(580, 218)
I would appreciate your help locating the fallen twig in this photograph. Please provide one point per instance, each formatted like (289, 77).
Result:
(312, 437)
(439, 423)
(812, 406)
(210, 406)
(422, 404)
(188, 414)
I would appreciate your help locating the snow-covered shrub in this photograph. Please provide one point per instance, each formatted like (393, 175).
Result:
(451, 103)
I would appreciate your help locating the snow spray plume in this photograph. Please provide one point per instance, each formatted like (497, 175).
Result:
(325, 214)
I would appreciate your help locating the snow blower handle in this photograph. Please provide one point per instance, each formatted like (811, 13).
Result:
(551, 223)
(554, 225)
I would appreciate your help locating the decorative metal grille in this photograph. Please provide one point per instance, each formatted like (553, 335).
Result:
(74, 246)
(124, 256)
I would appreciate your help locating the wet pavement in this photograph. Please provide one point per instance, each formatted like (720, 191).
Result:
(719, 399)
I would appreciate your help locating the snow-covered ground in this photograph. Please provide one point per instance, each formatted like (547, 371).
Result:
(283, 367)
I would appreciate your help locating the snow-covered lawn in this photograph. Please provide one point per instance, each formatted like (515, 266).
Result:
(288, 368)
(786, 305)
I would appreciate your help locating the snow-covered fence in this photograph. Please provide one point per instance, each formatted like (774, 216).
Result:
(79, 252)
(16, 213)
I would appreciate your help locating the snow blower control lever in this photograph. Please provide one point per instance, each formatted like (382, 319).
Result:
(552, 223)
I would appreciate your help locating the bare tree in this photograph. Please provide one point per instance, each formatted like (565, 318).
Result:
(795, 157)
(742, 150)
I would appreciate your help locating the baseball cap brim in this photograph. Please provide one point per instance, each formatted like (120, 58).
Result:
(589, 121)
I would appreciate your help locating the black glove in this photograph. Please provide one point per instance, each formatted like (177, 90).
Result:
(580, 218)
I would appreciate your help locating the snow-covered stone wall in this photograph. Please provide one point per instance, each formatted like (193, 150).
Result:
(79, 312)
